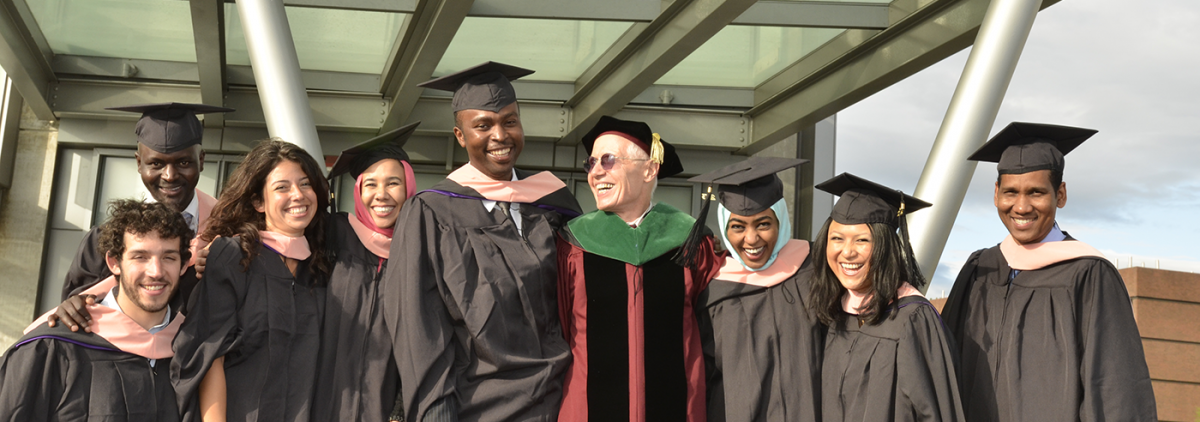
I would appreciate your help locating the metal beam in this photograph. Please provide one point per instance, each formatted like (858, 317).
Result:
(208, 27)
(167, 71)
(815, 15)
(678, 31)
(613, 10)
(330, 110)
(972, 112)
(428, 36)
(24, 59)
(859, 63)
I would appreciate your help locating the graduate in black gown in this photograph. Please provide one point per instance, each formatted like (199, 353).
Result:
(118, 371)
(762, 344)
(1043, 321)
(888, 356)
(470, 292)
(358, 379)
(169, 161)
(249, 346)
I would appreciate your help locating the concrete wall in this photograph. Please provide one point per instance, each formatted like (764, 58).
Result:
(24, 212)
(1166, 305)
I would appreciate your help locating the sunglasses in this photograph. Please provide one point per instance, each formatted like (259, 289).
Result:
(606, 161)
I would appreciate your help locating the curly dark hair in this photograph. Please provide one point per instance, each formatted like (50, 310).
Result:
(137, 217)
(234, 214)
(890, 266)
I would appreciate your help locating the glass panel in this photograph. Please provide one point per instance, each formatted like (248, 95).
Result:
(745, 56)
(846, 1)
(134, 29)
(559, 50)
(327, 39)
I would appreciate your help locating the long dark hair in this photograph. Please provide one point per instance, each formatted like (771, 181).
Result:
(891, 264)
(234, 214)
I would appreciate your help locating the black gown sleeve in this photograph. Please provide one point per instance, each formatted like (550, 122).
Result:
(211, 328)
(87, 268)
(33, 382)
(926, 377)
(1113, 371)
(714, 378)
(418, 316)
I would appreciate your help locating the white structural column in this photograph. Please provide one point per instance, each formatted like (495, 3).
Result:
(968, 121)
(277, 74)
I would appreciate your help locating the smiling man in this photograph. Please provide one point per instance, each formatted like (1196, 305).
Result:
(469, 297)
(1043, 322)
(627, 308)
(169, 160)
(121, 372)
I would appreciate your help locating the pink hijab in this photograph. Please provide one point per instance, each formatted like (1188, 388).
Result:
(378, 240)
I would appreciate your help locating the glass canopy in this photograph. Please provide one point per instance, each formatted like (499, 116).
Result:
(334, 40)
(102, 28)
(745, 56)
(559, 50)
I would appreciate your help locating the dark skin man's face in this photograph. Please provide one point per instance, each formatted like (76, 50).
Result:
(171, 178)
(493, 140)
(1027, 204)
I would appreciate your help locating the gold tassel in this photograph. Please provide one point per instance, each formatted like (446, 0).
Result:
(656, 149)
(901, 211)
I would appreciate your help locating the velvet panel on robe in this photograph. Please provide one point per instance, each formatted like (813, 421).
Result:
(267, 325)
(763, 350)
(54, 374)
(632, 328)
(470, 306)
(357, 378)
(1056, 344)
(900, 369)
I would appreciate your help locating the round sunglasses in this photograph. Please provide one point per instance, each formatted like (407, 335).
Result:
(606, 161)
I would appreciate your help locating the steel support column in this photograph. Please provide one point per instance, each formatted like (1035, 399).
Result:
(277, 74)
(208, 25)
(417, 54)
(970, 117)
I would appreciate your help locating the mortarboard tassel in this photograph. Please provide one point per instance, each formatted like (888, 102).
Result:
(689, 252)
(915, 278)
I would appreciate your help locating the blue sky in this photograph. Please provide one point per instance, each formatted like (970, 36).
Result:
(1127, 69)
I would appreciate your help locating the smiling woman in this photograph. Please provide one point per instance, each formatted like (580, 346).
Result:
(865, 291)
(257, 315)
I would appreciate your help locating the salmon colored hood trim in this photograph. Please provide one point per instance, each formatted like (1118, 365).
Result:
(786, 264)
(526, 191)
(122, 331)
(851, 302)
(1040, 255)
(377, 243)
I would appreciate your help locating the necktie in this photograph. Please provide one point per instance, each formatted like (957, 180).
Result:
(187, 216)
(504, 208)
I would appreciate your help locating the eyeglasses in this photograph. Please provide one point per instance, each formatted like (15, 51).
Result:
(606, 161)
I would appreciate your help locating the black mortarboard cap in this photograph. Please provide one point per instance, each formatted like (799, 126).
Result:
(170, 127)
(642, 136)
(358, 158)
(1026, 147)
(484, 87)
(750, 186)
(863, 201)
(745, 188)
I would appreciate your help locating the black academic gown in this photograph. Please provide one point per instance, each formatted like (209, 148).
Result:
(89, 268)
(1056, 344)
(53, 374)
(900, 369)
(357, 378)
(267, 325)
(471, 306)
(762, 350)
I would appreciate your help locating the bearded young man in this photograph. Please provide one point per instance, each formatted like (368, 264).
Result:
(122, 369)
(1043, 323)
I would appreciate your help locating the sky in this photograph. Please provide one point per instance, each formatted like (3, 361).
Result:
(1127, 69)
